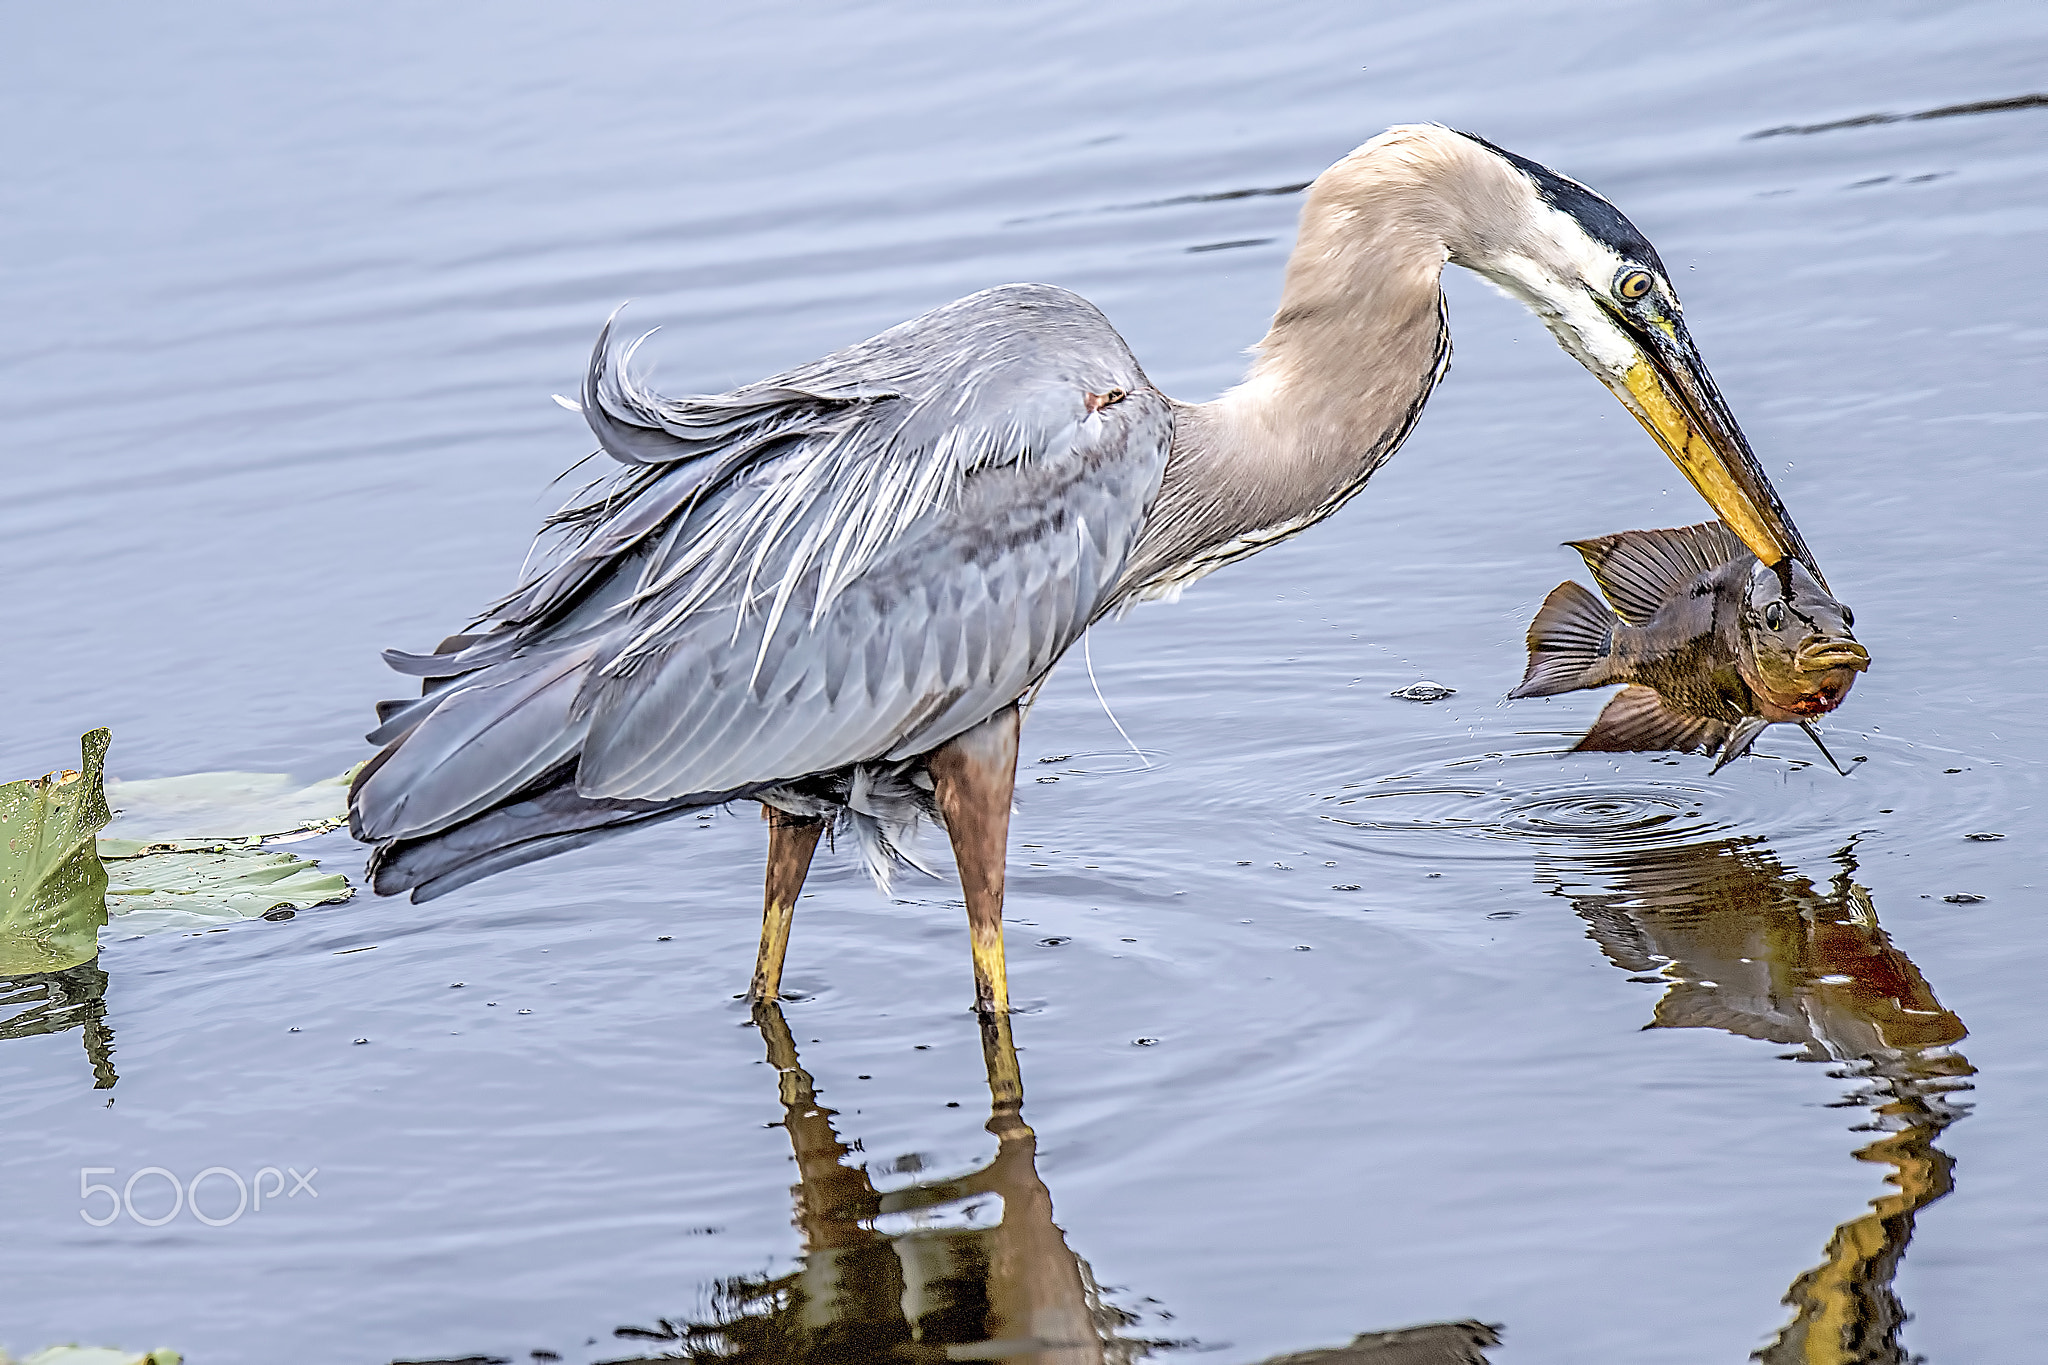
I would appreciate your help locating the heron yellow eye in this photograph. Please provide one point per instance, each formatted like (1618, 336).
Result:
(1632, 283)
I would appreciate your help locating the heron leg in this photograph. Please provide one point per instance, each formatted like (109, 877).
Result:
(1005, 1079)
(792, 839)
(974, 777)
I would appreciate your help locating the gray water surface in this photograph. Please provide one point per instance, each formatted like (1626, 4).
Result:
(285, 293)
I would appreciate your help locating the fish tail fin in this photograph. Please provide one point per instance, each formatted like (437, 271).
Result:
(1639, 720)
(1569, 643)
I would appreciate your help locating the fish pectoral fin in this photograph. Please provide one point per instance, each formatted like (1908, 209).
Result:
(1813, 733)
(1640, 720)
(1570, 642)
(1638, 569)
(1745, 733)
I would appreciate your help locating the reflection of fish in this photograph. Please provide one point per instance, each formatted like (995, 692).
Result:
(1746, 946)
(1714, 646)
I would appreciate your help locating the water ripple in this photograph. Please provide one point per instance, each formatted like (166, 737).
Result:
(1500, 802)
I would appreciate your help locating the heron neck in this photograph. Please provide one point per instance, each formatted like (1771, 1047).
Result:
(1354, 349)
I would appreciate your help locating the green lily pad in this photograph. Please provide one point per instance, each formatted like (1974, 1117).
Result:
(52, 886)
(213, 810)
(96, 1355)
(198, 889)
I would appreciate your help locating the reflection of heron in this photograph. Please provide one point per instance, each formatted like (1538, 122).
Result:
(831, 590)
(55, 1001)
(946, 1284)
(1749, 948)
(921, 1273)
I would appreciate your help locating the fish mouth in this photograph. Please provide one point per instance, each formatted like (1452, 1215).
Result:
(1826, 669)
(1819, 656)
(1668, 389)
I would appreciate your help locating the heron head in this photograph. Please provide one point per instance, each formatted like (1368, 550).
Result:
(1599, 286)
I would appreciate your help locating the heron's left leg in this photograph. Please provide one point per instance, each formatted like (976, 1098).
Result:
(792, 839)
(974, 777)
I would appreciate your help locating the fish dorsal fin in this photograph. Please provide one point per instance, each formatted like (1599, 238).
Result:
(1639, 720)
(1638, 569)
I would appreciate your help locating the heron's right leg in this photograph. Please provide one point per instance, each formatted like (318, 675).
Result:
(792, 839)
(974, 778)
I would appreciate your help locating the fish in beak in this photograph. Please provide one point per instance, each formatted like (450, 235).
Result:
(1713, 645)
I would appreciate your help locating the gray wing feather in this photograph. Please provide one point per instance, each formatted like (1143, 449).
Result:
(490, 736)
(856, 560)
(974, 602)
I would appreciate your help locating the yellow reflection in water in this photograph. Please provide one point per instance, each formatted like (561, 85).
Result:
(1748, 947)
(967, 1268)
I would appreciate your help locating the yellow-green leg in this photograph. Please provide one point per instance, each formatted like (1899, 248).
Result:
(974, 778)
(1005, 1079)
(792, 839)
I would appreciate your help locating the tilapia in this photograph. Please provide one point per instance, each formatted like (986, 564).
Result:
(1713, 645)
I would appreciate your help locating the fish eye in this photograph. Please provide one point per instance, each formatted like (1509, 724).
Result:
(1774, 616)
(1632, 283)
(1848, 618)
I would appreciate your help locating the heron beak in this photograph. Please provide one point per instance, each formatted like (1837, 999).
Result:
(1667, 387)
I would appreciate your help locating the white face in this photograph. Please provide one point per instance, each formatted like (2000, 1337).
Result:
(1579, 265)
(1561, 272)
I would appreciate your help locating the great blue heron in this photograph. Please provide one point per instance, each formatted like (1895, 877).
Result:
(832, 590)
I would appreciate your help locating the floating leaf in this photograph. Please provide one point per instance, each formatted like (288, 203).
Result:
(52, 886)
(187, 889)
(208, 810)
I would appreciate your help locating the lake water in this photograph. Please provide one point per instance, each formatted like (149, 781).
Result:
(286, 291)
